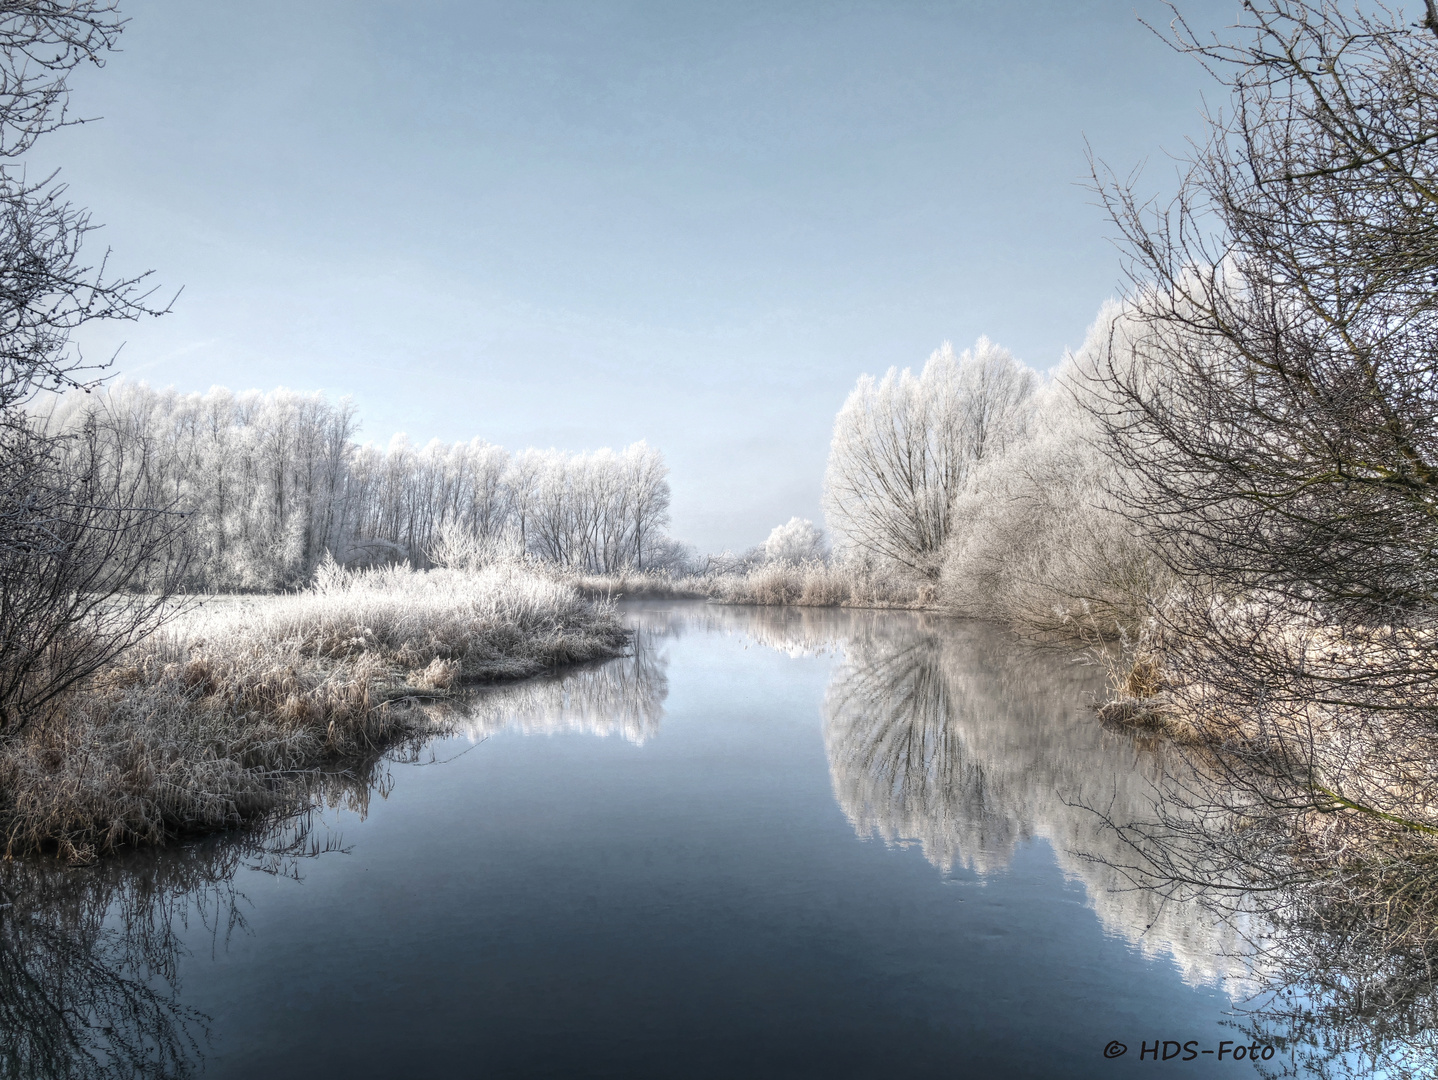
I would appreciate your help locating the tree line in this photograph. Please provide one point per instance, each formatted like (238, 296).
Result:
(272, 483)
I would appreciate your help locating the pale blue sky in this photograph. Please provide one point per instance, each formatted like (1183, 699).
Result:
(583, 224)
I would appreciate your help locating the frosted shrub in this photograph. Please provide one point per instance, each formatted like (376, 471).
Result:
(459, 548)
(798, 540)
(1038, 538)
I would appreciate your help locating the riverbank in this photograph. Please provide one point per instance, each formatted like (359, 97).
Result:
(779, 584)
(228, 712)
(1316, 745)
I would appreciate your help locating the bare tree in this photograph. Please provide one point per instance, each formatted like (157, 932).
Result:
(1280, 404)
(647, 478)
(1272, 392)
(91, 566)
(47, 290)
(1277, 405)
(74, 543)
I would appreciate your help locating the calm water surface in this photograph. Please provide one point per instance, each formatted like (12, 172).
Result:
(769, 843)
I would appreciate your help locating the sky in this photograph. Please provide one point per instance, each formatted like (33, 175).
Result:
(585, 224)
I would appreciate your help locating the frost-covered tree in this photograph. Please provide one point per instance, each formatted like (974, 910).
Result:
(797, 541)
(647, 478)
(905, 445)
(275, 482)
(602, 511)
(1039, 538)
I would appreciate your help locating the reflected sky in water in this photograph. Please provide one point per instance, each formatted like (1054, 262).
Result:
(767, 843)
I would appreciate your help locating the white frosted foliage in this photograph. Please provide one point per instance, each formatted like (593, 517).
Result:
(905, 445)
(798, 540)
(275, 481)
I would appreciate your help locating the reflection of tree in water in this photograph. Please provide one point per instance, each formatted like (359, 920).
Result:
(794, 631)
(901, 767)
(1346, 1002)
(1346, 953)
(89, 956)
(617, 697)
(958, 738)
(626, 696)
(78, 991)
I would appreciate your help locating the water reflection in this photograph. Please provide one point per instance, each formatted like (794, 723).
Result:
(958, 738)
(963, 741)
(1346, 1012)
(622, 697)
(902, 761)
(945, 734)
(89, 956)
(83, 995)
(794, 631)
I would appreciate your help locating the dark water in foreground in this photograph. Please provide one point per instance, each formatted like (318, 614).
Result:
(769, 844)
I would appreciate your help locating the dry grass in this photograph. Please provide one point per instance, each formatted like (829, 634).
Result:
(640, 585)
(775, 584)
(817, 584)
(209, 723)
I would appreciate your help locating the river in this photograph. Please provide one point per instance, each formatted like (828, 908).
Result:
(771, 842)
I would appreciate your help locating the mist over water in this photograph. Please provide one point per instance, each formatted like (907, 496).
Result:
(769, 842)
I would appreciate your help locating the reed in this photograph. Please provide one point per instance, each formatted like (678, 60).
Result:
(813, 583)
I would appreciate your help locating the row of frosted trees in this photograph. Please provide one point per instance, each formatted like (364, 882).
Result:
(273, 482)
(995, 488)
